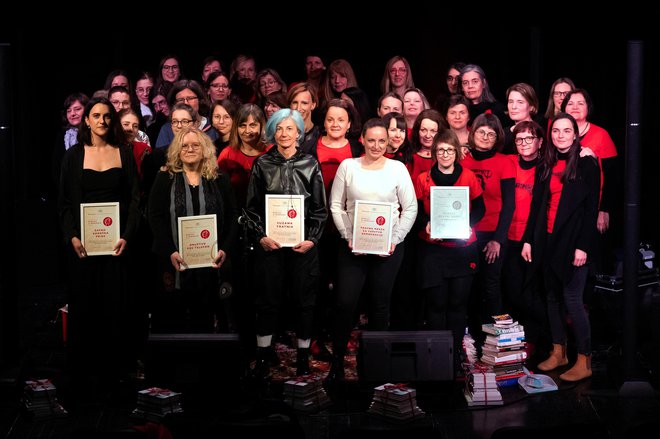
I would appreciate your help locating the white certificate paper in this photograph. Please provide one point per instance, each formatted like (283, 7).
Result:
(372, 227)
(285, 219)
(99, 227)
(450, 212)
(198, 240)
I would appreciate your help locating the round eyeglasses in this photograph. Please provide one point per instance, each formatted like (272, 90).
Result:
(527, 140)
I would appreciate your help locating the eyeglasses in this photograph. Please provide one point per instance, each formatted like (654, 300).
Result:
(488, 134)
(191, 146)
(220, 86)
(181, 123)
(267, 83)
(560, 94)
(171, 68)
(122, 104)
(143, 90)
(401, 70)
(159, 104)
(219, 117)
(442, 151)
(186, 99)
(425, 132)
(527, 140)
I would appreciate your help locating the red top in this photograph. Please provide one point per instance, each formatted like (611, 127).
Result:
(329, 159)
(423, 185)
(523, 191)
(420, 164)
(140, 151)
(601, 144)
(490, 171)
(237, 166)
(556, 187)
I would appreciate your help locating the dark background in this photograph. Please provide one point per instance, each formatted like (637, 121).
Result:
(46, 63)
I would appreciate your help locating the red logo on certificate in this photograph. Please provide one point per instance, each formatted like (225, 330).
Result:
(380, 220)
(291, 213)
(205, 234)
(107, 221)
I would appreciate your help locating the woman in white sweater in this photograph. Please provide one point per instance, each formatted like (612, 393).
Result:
(375, 178)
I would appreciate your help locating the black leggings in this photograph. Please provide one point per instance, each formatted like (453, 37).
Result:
(378, 272)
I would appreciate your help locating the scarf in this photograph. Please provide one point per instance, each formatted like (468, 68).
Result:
(181, 205)
(441, 179)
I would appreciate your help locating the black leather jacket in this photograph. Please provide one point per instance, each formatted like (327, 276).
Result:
(298, 175)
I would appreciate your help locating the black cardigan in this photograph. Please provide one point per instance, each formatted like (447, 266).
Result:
(161, 224)
(575, 222)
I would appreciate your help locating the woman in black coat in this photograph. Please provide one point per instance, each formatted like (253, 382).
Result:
(567, 202)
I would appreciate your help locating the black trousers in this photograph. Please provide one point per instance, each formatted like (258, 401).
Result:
(354, 272)
(280, 273)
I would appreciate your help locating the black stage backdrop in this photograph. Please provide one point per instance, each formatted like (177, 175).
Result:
(55, 60)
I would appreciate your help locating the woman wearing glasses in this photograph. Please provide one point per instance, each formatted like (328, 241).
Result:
(181, 116)
(397, 76)
(520, 277)
(217, 86)
(189, 184)
(558, 91)
(169, 72)
(522, 105)
(191, 93)
(269, 81)
(497, 175)
(222, 117)
(446, 267)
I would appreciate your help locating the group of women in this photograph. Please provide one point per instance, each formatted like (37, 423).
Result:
(542, 203)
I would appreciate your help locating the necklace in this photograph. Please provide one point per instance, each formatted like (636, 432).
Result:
(585, 129)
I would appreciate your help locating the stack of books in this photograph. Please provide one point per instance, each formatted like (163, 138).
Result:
(40, 400)
(154, 404)
(396, 402)
(481, 388)
(504, 348)
(306, 394)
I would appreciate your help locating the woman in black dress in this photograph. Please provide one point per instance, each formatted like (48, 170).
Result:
(100, 168)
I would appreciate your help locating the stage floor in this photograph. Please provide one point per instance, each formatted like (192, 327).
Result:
(595, 407)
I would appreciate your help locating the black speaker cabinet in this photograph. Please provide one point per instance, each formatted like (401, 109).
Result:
(404, 356)
(196, 364)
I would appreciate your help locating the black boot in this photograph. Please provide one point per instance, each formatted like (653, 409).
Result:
(336, 368)
(302, 361)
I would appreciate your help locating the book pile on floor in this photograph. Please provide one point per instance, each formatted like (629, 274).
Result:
(481, 388)
(396, 402)
(40, 400)
(306, 394)
(504, 349)
(155, 403)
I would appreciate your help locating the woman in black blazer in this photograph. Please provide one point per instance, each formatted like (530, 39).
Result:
(567, 201)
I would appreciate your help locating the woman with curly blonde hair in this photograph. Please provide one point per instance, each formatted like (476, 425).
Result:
(189, 184)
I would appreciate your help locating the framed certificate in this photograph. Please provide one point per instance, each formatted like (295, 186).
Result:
(372, 227)
(450, 212)
(285, 219)
(198, 240)
(99, 227)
